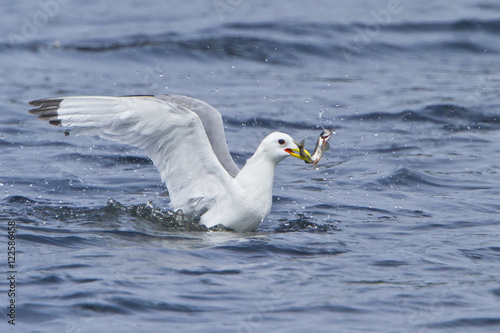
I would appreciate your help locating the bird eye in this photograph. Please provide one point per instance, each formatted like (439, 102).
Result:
(281, 142)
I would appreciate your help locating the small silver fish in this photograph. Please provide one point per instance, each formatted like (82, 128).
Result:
(321, 146)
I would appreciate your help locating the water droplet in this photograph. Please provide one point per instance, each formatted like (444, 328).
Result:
(320, 114)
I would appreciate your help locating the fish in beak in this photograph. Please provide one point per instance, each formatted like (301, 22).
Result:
(300, 152)
(321, 146)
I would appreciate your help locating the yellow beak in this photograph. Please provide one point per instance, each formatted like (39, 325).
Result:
(302, 154)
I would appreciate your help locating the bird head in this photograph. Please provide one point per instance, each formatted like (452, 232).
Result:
(279, 145)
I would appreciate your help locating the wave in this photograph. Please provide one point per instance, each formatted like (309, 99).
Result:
(460, 323)
(462, 25)
(449, 116)
(405, 177)
(141, 305)
(62, 241)
(261, 247)
(487, 254)
(290, 43)
(19, 199)
(328, 29)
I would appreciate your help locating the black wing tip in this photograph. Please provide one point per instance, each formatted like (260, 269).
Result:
(46, 102)
(55, 122)
(46, 109)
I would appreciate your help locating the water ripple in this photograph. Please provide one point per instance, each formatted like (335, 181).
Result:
(285, 43)
(448, 116)
(142, 305)
(467, 322)
(412, 178)
(295, 250)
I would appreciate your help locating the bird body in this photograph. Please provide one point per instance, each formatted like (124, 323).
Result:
(252, 198)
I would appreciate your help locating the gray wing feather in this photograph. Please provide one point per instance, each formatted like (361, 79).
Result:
(214, 127)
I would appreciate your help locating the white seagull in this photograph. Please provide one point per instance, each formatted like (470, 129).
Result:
(185, 139)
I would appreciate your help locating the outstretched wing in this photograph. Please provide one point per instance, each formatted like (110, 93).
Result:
(172, 136)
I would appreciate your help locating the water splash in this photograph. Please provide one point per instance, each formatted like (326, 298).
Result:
(166, 219)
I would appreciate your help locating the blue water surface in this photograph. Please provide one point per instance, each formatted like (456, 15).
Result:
(397, 230)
